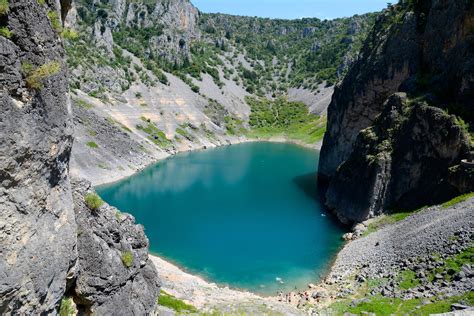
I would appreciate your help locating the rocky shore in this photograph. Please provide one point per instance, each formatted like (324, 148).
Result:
(426, 257)
(410, 259)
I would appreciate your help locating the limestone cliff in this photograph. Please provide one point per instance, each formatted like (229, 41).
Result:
(37, 226)
(48, 243)
(384, 151)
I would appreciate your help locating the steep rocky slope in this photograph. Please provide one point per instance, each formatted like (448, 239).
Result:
(189, 74)
(421, 265)
(49, 240)
(403, 151)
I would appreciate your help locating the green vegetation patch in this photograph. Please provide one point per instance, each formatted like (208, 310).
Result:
(5, 32)
(458, 199)
(157, 136)
(175, 304)
(66, 308)
(3, 7)
(69, 34)
(454, 264)
(92, 145)
(83, 104)
(184, 133)
(35, 75)
(55, 21)
(408, 280)
(280, 117)
(127, 259)
(380, 305)
(385, 220)
(93, 201)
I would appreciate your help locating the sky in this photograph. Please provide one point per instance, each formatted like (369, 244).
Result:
(292, 9)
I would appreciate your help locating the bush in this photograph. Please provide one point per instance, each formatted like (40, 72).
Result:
(93, 201)
(92, 145)
(67, 307)
(69, 34)
(35, 76)
(127, 259)
(5, 32)
(55, 22)
(3, 7)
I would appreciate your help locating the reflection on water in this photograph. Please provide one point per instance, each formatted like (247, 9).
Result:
(244, 215)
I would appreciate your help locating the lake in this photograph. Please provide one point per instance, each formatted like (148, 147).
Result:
(248, 216)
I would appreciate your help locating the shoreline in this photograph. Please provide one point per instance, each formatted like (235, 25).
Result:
(231, 142)
(205, 294)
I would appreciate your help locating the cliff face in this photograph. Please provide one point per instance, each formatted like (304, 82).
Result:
(383, 151)
(38, 230)
(43, 254)
(113, 275)
(167, 26)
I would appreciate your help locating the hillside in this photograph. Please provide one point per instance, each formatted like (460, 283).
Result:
(161, 77)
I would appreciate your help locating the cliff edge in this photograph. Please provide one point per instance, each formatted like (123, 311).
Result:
(53, 244)
(398, 124)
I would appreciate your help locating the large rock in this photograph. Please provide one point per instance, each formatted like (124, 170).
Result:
(422, 49)
(106, 283)
(37, 226)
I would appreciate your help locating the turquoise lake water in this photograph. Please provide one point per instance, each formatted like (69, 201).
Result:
(245, 215)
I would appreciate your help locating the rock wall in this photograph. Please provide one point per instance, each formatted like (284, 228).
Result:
(37, 226)
(43, 254)
(384, 151)
(106, 281)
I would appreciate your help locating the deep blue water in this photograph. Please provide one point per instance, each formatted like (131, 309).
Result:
(243, 215)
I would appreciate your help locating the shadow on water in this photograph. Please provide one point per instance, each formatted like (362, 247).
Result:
(308, 183)
(316, 190)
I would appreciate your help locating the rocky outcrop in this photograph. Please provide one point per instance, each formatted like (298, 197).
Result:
(113, 275)
(385, 151)
(49, 243)
(169, 26)
(37, 226)
(402, 160)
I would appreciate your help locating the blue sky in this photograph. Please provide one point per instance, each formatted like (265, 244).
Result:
(292, 9)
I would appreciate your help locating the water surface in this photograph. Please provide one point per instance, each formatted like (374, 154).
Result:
(246, 215)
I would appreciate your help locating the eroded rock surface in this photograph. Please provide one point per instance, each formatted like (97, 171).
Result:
(378, 155)
(37, 226)
(113, 273)
(43, 252)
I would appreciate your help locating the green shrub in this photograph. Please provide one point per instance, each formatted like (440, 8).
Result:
(3, 7)
(92, 145)
(5, 32)
(41, 2)
(127, 259)
(69, 34)
(175, 304)
(55, 22)
(93, 201)
(35, 76)
(66, 308)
